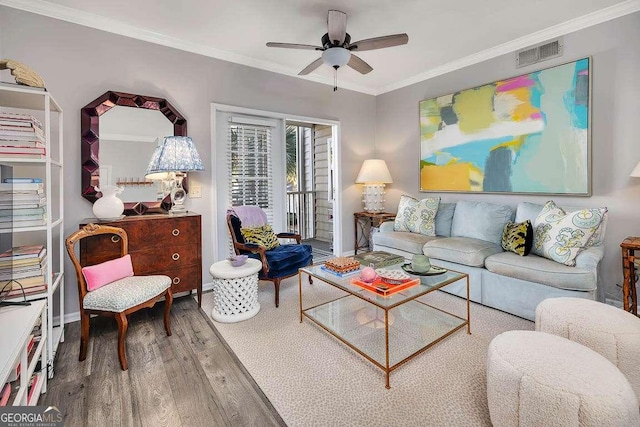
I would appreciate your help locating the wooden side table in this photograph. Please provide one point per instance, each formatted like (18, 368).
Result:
(363, 222)
(629, 246)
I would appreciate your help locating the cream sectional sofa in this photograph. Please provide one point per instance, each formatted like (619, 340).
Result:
(468, 239)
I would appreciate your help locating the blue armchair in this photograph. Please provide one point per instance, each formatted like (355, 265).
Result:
(278, 263)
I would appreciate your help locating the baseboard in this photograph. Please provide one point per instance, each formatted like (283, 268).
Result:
(75, 316)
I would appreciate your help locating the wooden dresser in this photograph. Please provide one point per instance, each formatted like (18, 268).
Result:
(158, 244)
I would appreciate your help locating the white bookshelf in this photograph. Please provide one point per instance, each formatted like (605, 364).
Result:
(14, 349)
(39, 103)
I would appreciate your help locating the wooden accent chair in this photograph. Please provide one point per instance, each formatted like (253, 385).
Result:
(119, 298)
(277, 264)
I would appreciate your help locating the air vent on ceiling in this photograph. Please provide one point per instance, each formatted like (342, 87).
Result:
(541, 52)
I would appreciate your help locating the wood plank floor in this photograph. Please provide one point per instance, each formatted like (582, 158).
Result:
(189, 379)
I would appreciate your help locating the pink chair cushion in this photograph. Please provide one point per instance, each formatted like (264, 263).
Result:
(102, 274)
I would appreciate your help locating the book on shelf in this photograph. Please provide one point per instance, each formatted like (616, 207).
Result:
(14, 263)
(27, 291)
(21, 150)
(22, 212)
(25, 251)
(5, 394)
(21, 195)
(17, 143)
(21, 224)
(35, 268)
(22, 218)
(22, 204)
(20, 117)
(21, 123)
(9, 130)
(27, 282)
(22, 180)
(22, 186)
(23, 136)
(20, 275)
(31, 349)
(33, 382)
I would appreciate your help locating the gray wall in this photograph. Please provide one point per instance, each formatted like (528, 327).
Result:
(615, 137)
(80, 63)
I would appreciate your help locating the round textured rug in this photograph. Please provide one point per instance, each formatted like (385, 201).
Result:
(313, 379)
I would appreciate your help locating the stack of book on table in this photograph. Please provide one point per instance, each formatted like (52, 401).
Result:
(22, 203)
(23, 269)
(21, 135)
(10, 388)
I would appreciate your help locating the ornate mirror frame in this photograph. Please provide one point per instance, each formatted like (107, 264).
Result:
(90, 142)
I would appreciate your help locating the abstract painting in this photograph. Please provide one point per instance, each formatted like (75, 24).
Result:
(527, 134)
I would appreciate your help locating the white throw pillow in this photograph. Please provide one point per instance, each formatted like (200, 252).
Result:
(417, 216)
(561, 236)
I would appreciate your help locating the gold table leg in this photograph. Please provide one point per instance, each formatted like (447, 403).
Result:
(300, 292)
(386, 343)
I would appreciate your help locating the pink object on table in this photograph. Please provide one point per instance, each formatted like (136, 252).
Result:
(368, 274)
(102, 274)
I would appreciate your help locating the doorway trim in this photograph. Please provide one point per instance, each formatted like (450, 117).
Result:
(284, 117)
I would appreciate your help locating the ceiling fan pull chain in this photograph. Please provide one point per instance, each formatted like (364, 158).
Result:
(335, 79)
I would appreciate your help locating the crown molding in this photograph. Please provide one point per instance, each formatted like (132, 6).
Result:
(582, 22)
(87, 19)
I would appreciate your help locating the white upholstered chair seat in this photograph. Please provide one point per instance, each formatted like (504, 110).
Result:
(125, 293)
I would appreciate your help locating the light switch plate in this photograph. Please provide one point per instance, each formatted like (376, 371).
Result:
(195, 191)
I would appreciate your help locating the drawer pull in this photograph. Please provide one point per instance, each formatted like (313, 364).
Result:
(115, 239)
(176, 280)
(175, 256)
(175, 231)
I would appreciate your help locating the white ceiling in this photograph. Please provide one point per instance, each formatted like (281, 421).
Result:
(443, 34)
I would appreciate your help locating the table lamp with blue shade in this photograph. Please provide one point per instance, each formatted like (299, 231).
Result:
(170, 161)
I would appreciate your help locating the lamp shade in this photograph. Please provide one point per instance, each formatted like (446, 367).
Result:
(374, 171)
(636, 171)
(175, 154)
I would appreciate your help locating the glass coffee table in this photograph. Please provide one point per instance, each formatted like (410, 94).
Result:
(386, 330)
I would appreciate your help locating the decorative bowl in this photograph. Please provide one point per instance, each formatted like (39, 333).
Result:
(237, 260)
(393, 277)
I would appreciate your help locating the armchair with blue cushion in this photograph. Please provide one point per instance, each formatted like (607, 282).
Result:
(278, 263)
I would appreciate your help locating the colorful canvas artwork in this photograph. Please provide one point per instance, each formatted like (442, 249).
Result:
(527, 134)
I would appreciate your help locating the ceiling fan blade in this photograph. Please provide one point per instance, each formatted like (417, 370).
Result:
(294, 46)
(337, 26)
(380, 42)
(359, 65)
(311, 67)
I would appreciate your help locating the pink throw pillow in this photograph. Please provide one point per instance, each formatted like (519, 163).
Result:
(99, 275)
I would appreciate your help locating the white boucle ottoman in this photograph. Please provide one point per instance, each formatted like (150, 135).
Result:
(612, 332)
(539, 379)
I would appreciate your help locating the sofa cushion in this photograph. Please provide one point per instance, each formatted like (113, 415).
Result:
(561, 236)
(541, 270)
(530, 211)
(417, 216)
(444, 218)
(461, 250)
(480, 220)
(517, 237)
(403, 240)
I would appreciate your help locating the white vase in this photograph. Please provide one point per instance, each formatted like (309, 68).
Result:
(108, 206)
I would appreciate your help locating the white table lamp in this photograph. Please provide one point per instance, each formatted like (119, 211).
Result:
(374, 174)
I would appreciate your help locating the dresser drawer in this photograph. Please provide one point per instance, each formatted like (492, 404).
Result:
(183, 279)
(149, 261)
(143, 234)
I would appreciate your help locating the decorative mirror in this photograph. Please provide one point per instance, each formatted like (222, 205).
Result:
(119, 132)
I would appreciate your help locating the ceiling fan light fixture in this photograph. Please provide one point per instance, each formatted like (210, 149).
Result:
(336, 56)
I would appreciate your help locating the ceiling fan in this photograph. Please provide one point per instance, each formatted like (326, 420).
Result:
(337, 47)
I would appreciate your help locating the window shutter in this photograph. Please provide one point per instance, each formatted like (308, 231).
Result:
(250, 166)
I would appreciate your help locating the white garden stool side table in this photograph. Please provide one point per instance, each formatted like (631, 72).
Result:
(235, 291)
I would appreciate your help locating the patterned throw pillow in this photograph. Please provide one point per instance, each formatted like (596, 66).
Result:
(261, 236)
(518, 237)
(417, 216)
(561, 236)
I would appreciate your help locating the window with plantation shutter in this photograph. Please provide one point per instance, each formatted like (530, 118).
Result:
(249, 165)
